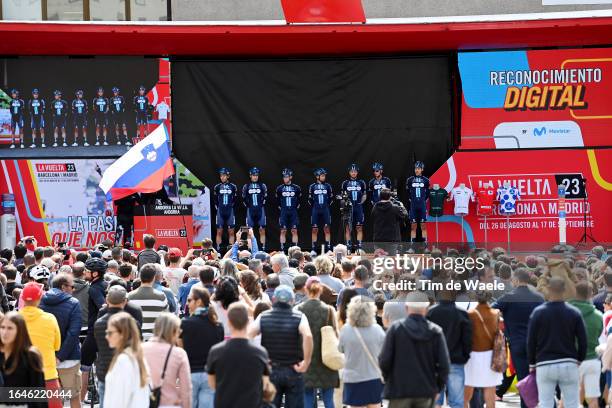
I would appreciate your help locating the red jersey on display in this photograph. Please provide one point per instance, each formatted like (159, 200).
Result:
(486, 197)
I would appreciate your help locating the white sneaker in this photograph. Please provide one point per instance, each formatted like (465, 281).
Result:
(12, 146)
(97, 143)
(22, 146)
(64, 144)
(75, 144)
(128, 143)
(105, 143)
(32, 146)
(54, 144)
(85, 144)
(118, 142)
(43, 145)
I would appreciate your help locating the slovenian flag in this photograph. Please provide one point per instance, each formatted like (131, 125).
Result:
(142, 169)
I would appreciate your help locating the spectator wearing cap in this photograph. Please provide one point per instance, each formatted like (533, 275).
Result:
(81, 292)
(148, 255)
(183, 291)
(152, 301)
(318, 376)
(67, 311)
(286, 335)
(516, 308)
(39, 274)
(299, 288)
(95, 268)
(173, 273)
(107, 255)
(44, 333)
(280, 265)
(325, 267)
(414, 358)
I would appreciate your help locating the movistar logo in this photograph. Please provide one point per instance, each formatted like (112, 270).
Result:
(539, 132)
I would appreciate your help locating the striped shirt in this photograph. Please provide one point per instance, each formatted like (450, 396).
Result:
(152, 302)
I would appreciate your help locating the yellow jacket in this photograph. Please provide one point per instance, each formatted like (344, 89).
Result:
(45, 335)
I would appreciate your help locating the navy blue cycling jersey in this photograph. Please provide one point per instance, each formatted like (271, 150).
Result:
(320, 195)
(417, 188)
(79, 106)
(254, 195)
(17, 107)
(225, 194)
(374, 187)
(36, 107)
(59, 107)
(141, 103)
(100, 105)
(288, 196)
(355, 189)
(117, 104)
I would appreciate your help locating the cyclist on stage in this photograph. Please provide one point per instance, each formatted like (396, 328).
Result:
(417, 187)
(100, 107)
(320, 197)
(59, 113)
(225, 197)
(79, 117)
(17, 106)
(356, 190)
(36, 108)
(288, 196)
(117, 114)
(254, 196)
(141, 107)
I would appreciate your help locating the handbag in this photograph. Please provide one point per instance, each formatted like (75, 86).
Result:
(155, 397)
(370, 356)
(499, 361)
(528, 390)
(331, 357)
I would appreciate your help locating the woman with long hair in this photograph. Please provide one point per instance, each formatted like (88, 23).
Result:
(199, 332)
(250, 283)
(20, 362)
(126, 383)
(170, 362)
(478, 372)
(346, 296)
(318, 376)
(361, 340)
(227, 292)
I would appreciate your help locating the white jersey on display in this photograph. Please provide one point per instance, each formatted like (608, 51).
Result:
(508, 196)
(162, 109)
(462, 197)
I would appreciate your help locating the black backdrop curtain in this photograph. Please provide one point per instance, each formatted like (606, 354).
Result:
(310, 113)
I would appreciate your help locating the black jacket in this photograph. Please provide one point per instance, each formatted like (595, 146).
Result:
(386, 220)
(457, 329)
(414, 359)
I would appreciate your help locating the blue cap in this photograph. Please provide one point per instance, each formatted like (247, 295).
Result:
(115, 89)
(224, 170)
(57, 92)
(283, 294)
(287, 172)
(35, 91)
(14, 91)
(419, 165)
(253, 171)
(261, 255)
(377, 166)
(353, 166)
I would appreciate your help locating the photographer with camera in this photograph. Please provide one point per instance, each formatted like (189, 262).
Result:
(356, 190)
(388, 215)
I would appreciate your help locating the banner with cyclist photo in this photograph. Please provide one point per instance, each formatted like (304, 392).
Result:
(93, 107)
(536, 98)
(60, 200)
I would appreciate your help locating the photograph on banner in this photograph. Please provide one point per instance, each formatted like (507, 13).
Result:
(531, 217)
(74, 107)
(536, 98)
(60, 200)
